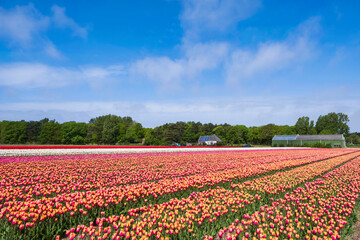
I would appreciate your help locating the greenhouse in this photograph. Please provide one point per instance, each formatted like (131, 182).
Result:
(337, 140)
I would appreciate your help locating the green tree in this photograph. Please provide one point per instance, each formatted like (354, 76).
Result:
(254, 135)
(0, 132)
(313, 131)
(188, 135)
(220, 132)
(267, 132)
(33, 130)
(237, 134)
(333, 123)
(208, 128)
(287, 130)
(192, 132)
(78, 140)
(304, 126)
(111, 130)
(13, 132)
(97, 127)
(133, 134)
(154, 136)
(110, 125)
(139, 131)
(127, 121)
(122, 133)
(50, 133)
(74, 133)
(353, 138)
(92, 136)
(173, 132)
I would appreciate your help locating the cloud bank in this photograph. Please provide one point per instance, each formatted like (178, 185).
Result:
(25, 27)
(37, 75)
(214, 16)
(250, 111)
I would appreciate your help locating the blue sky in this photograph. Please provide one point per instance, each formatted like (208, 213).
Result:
(246, 62)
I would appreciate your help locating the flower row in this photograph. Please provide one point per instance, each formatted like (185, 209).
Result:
(26, 209)
(201, 212)
(322, 209)
(36, 177)
(283, 181)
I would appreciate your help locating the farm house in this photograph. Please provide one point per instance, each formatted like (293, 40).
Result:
(209, 140)
(337, 140)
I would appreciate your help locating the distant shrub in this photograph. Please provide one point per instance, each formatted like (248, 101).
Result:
(79, 140)
(322, 145)
(317, 145)
(220, 144)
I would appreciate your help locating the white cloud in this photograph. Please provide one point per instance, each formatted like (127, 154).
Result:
(183, 72)
(201, 16)
(254, 111)
(37, 75)
(205, 56)
(272, 56)
(173, 73)
(61, 20)
(22, 24)
(236, 63)
(162, 70)
(26, 27)
(269, 57)
(51, 50)
(339, 55)
(198, 16)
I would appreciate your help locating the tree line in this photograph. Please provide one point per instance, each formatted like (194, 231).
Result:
(112, 129)
(108, 129)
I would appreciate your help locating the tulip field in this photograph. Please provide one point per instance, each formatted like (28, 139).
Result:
(257, 194)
